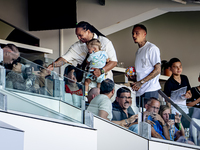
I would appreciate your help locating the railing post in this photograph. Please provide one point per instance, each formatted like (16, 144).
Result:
(88, 118)
(3, 102)
(2, 77)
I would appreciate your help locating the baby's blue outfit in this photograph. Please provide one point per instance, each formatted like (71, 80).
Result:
(97, 60)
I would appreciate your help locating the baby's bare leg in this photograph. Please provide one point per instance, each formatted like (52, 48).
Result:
(87, 82)
(98, 85)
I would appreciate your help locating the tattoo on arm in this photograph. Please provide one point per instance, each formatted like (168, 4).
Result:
(154, 73)
(59, 62)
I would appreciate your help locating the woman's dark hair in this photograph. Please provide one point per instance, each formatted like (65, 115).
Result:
(67, 70)
(173, 60)
(87, 26)
(16, 62)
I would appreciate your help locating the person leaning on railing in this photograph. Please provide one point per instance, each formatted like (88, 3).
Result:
(77, 53)
(9, 53)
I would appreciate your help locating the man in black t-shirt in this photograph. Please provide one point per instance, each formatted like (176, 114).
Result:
(177, 87)
(177, 82)
(122, 109)
(195, 100)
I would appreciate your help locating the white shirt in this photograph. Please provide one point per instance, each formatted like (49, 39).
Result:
(146, 58)
(97, 59)
(101, 102)
(78, 51)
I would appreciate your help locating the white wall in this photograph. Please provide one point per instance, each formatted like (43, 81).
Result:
(111, 137)
(47, 135)
(183, 40)
(164, 146)
(176, 34)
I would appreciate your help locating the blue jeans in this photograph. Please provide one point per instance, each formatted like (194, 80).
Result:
(134, 128)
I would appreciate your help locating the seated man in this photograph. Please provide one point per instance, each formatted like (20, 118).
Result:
(93, 92)
(159, 127)
(101, 105)
(122, 108)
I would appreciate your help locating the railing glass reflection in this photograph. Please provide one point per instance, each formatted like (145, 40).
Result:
(180, 126)
(33, 78)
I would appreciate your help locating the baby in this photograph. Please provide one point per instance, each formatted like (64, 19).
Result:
(96, 59)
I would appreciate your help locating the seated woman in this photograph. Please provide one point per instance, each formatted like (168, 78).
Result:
(179, 134)
(14, 78)
(43, 82)
(71, 85)
(176, 121)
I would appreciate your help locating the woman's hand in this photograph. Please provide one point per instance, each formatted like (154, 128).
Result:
(170, 123)
(178, 118)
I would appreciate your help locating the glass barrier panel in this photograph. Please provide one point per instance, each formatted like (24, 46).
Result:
(178, 123)
(33, 78)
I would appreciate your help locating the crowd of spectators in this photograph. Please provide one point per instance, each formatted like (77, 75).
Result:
(145, 83)
(34, 78)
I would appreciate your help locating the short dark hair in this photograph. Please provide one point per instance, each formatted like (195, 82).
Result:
(38, 64)
(107, 86)
(68, 69)
(141, 26)
(123, 90)
(173, 60)
(15, 62)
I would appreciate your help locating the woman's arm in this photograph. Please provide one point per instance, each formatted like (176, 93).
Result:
(191, 104)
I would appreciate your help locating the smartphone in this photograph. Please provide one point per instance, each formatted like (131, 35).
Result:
(171, 116)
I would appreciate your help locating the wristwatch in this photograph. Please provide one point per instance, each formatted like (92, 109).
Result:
(102, 71)
(142, 81)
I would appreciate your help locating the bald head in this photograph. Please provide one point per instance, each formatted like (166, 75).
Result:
(10, 53)
(93, 93)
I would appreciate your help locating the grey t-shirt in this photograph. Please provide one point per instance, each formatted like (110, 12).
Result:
(101, 102)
